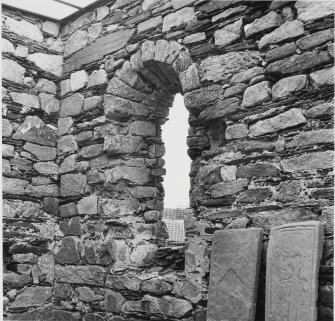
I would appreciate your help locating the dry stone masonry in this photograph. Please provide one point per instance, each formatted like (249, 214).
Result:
(83, 158)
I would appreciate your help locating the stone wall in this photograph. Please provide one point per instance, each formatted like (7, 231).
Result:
(257, 80)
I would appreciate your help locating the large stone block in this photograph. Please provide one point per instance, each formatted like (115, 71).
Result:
(315, 39)
(68, 252)
(309, 162)
(120, 144)
(309, 11)
(49, 103)
(92, 275)
(72, 184)
(76, 41)
(14, 186)
(228, 34)
(24, 28)
(235, 264)
(138, 175)
(264, 24)
(313, 137)
(323, 78)
(118, 208)
(293, 259)
(32, 297)
(72, 105)
(178, 18)
(221, 109)
(257, 170)
(257, 94)
(49, 63)
(287, 86)
(12, 71)
(25, 100)
(97, 50)
(228, 188)
(7, 128)
(222, 67)
(290, 118)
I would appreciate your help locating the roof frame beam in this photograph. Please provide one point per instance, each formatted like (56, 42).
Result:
(68, 4)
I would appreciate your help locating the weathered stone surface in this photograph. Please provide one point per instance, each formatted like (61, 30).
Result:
(65, 87)
(287, 86)
(21, 51)
(78, 80)
(94, 317)
(315, 39)
(313, 137)
(46, 168)
(91, 150)
(87, 295)
(72, 184)
(6, 46)
(177, 4)
(142, 128)
(97, 78)
(289, 191)
(323, 78)
(68, 210)
(64, 126)
(49, 103)
(178, 18)
(7, 150)
(113, 301)
(66, 144)
(69, 164)
(71, 226)
(124, 281)
(92, 102)
(77, 274)
(12, 71)
(118, 208)
(36, 314)
(97, 50)
(312, 10)
(150, 24)
(309, 162)
(221, 67)
(25, 100)
(156, 286)
(281, 52)
(228, 34)
(49, 63)
(76, 41)
(120, 144)
(247, 75)
(72, 105)
(221, 109)
(288, 30)
(60, 315)
(32, 297)
(7, 128)
(120, 108)
(88, 205)
(189, 78)
(228, 188)
(46, 86)
(195, 37)
(257, 94)
(235, 90)
(235, 264)
(136, 175)
(236, 131)
(51, 190)
(24, 28)
(68, 252)
(322, 110)
(102, 253)
(295, 249)
(228, 173)
(264, 24)
(290, 118)
(34, 130)
(298, 63)
(257, 170)
(165, 305)
(202, 97)
(254, 195)
(52, 28)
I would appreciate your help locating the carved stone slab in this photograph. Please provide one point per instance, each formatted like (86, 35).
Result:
(293, 260)
(235, 263)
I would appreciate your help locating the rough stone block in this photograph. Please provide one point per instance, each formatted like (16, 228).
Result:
(264, 24)
(71, 226)
(281, 52)
(293, 260)
(68, 210)
(142, 128)
(228, 34)
(222, 67)
(247, 75)
(309, 162)
(288, 30)
(313, 137)
(150, 24)
(309, 11)
(72, 105)
(120, 144)
(76, 41)
(136, 175)
(323, 78)
(228, 188)
(190, 79)
(221, 109)
(235, 264)
(254, 195)
(7, 128)
(320, 111)
(97, 78)
(7, 46)
(24, 28)
(290, 118)
(72, 184)
(257, 170)
(257, 94)
(12, 71)
(7, 150)
(228, 173)
(178, 18)
(65, 87)
(50, 27)
(78, 80)
(195, 37)
(68, 252)
(66, 144)
(236, 131)
(287, 86)
(46, 168)
(32, 297)
(25, 100)
(61, 315)
(49, 103)
(76, 274)
(49, 63)
(88, 205)
(14, 186)
(315, 39)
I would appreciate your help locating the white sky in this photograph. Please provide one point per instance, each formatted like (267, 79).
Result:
(177, 162)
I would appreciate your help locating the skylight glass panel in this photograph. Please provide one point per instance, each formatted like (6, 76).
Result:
(80, 3)
(47, 8)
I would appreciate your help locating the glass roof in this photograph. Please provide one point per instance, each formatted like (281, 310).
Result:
(55, 9)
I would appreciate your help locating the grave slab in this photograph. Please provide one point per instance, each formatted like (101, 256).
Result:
(235, 264)
(293, 260)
